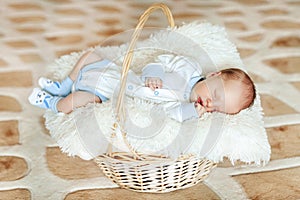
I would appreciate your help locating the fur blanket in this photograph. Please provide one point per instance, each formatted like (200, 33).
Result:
(86, 132)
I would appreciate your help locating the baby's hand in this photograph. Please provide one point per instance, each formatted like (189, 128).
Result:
(153, 83)
(200, 109)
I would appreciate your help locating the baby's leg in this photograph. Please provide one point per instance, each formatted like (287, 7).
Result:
(75, 100)
(86, 58)
(64, 87)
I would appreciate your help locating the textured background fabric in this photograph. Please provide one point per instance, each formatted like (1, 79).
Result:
(34, 33)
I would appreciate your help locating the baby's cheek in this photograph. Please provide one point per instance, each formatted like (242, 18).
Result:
(193, 97)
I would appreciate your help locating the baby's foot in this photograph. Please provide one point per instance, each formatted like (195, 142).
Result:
(40, 98)
(43, 99)
(56, 88)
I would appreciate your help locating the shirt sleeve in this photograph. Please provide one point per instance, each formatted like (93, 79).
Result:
(183, 111)
(186, 67)
(179, 64)
(153, 70)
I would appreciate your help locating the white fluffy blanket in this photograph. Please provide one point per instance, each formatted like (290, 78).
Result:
(87, 130)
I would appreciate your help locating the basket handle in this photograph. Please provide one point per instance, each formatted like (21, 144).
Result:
(120, 110)
(129, 54)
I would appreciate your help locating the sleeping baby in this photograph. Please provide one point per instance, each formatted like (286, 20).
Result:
(175, 81)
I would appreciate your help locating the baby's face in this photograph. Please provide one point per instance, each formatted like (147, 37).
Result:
(218, 95)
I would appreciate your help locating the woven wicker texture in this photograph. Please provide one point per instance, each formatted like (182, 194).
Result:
(155, 175)
(147, 173)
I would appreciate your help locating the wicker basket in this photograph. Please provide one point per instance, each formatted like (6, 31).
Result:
(148, 173)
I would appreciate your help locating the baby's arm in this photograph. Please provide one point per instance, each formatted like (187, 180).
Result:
(186, 67)
(185, 111)
(168, 63)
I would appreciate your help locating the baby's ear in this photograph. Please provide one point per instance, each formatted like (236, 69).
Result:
(211, 74)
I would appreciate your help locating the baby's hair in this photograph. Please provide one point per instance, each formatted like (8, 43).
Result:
(243, 77)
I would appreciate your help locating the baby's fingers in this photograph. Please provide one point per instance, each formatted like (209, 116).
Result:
(158, 84)
(200, 109)
(153, 83)
(149, 83)
(152, 86)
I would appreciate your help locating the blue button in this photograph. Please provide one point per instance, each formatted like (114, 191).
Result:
(156, 93)
(130, 87)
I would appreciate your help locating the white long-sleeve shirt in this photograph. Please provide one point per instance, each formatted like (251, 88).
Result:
(178, 73)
